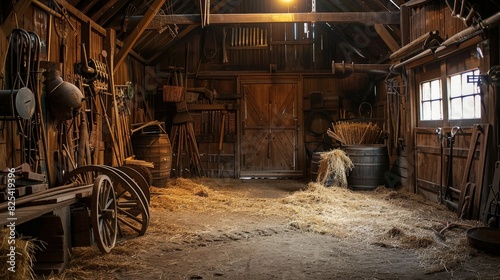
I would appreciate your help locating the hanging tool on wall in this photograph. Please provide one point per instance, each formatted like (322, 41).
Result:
(449, 173)
(221, 141)
(224, 46)
(313, 31)
(61, 28)
(205, 12)
(126, 17)
(23, 99)
(439, 132)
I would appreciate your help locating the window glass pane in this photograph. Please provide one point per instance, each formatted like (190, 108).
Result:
(468, 107)
(426, 111)
(464, 96)
(455, 109)
(436, 110)
(431, 100)
(477, 106)
(468, 88)
(426, 91)
(455, 86)
(435, 89)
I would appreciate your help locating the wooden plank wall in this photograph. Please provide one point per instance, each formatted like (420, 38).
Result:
(60, 43)
(330, 89)
(436, 16)
(427, 159)
(423, 19)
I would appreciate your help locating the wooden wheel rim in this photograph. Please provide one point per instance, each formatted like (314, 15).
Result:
(133, 214)
(139, 179)
(144, 171)
(103, 212)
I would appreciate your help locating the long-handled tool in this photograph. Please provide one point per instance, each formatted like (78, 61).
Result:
(449, 173)
(221, 141)
(439, 132)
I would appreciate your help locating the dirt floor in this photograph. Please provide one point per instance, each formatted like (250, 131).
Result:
(285, 229)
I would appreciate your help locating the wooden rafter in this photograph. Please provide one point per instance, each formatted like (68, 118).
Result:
(367, 18)
(137, 32)
(386, 37)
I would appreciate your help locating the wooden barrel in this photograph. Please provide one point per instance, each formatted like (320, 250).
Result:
(315, 159)
(370, 164)
(155, 148)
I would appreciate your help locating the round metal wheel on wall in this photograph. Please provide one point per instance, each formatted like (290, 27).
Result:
(132, 203)
(103, 212)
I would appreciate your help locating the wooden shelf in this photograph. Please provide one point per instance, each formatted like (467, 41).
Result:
(210, 107)
(263, 47)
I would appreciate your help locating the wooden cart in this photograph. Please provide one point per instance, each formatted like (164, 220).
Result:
(97, 204)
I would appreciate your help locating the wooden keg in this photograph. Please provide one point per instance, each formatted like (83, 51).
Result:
(370, 164)
(155, 148)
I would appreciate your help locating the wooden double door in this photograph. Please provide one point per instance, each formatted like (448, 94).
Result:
(269, 136)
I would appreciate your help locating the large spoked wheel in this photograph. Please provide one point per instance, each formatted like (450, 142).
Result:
(103, 212)
(144, 171)
(138, 179)
(132, 203)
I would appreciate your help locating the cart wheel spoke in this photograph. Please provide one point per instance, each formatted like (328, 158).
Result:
(104, 214)
(128, 195)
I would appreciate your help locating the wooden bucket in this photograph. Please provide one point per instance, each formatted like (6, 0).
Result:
(370, 164)
(155, 148)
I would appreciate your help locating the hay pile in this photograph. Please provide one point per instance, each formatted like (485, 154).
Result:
(90, 263)
(195, 195)
(393, 219)
(382, 217)
(24, 257)
(334, 164)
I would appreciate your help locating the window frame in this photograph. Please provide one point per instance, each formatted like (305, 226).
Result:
(431, 99)
(443, 70)
(461, 96)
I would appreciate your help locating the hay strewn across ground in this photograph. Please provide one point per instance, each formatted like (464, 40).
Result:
(392, 219)
(384, 217)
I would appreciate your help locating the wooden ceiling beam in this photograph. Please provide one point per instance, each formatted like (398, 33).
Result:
(367, 18)
(386, 37)
(182, 34)
(137, 32)
(185, 32)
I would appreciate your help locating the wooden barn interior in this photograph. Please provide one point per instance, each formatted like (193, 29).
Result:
(105, 104)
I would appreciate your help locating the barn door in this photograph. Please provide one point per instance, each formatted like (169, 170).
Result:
(269, 133)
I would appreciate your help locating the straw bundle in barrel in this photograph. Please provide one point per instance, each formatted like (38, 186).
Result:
(334, 163)
(355, 133)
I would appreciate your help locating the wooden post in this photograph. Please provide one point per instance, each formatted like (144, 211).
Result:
(110, 44)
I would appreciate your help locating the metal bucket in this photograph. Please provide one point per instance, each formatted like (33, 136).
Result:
(155, 148)
(484, 239)
(370, 164)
